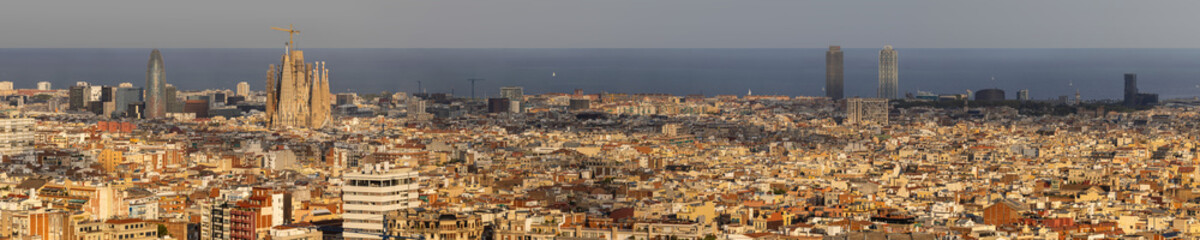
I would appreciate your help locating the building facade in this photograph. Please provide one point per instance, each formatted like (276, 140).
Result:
(243, 89)
(16, 136)
(77, 97)
(889, 74)
(864, 111)
(123, 97)
(432, 225)
(372, 192)
(513, 93)
(43, 85)
(990, 95)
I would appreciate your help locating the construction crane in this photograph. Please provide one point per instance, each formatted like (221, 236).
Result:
(291, 34)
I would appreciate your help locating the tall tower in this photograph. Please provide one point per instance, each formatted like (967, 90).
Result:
(1131, 91)
(297, 92)
(156, 104)
(888, 73)
(833, 73)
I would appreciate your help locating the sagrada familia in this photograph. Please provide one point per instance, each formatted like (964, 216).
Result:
(297, 92)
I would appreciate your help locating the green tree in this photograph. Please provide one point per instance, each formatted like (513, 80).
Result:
(162, 231)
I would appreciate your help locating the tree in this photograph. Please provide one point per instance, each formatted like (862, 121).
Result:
(162, 231)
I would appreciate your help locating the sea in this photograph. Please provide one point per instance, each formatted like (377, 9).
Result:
(1046, 73)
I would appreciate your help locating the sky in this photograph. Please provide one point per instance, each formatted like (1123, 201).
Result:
(602, 24)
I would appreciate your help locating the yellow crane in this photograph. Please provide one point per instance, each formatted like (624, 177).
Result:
(291, 34)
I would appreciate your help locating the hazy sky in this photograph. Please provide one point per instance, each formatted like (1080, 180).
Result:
(604, 23)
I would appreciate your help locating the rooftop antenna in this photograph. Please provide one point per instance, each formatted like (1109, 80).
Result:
(419, 89)
(473, 80)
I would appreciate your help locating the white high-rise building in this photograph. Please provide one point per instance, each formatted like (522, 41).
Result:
(370, 193)
(16, 135)
(43, 85)
(81, 84)
(6, 85)
(889, 74)
(243, 89)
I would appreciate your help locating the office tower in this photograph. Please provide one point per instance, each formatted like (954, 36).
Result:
(102, 102)
(372, 192)
(888, 73)
(125, 96)
(1023, 95)
(513, 93)
(243, 89)
(173, 104)
(867, 111)
(16, 135)
(499, 105)
(199, 107)
(43, 85)
(991, 94)
(297, 92)
(77, 97)
(135, 110)
(92, 93)
(217, 99)
(1131, 90)
(416, 107)
(234, 100)
(6, 85)
(833, 73)
(156, 74)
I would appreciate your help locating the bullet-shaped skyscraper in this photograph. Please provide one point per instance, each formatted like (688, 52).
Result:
(888, 73)
(156, 102)
(833, 73)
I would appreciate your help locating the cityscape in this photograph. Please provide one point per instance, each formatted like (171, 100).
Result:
(284, 157)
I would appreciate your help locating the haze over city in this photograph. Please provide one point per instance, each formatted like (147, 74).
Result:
(603, 24)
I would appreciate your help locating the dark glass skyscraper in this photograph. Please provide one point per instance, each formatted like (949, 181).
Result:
(833, 73)
(1131, 91)
(156, 99)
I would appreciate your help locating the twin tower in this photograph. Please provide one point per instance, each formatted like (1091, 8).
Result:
(835, 81)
